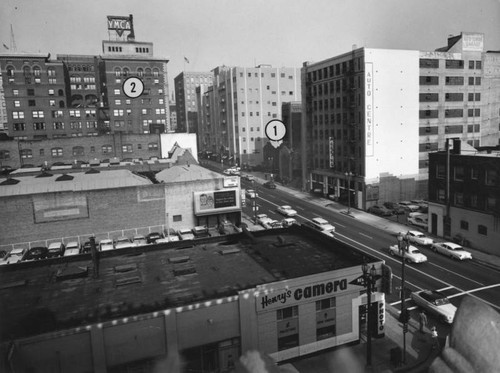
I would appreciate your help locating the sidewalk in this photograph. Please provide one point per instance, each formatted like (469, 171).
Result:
(489, 260)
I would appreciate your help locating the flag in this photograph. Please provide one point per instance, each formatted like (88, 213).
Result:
(6, 47)
(185, 58)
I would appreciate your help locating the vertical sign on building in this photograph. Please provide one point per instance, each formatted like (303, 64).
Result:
(369, 123)
(331, 149)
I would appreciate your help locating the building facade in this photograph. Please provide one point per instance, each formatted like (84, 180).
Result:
(464, 196)
(186, 84)
(238, 106)
(374, 115)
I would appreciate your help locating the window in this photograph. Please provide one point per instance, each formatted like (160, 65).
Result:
(427, 80)
(176, 218)
(454, 64)
(454, 97)
(4, 154)
(325, 318)
(107, 149)
(19, 126)
(39, 126)
(454, 80)
(429, 63)
(429, 97)
(127, 148)
(78, 150)
(474, 96)
(288, 327)
(422, 114)
(74, 113)
(453, 113)
(464, 225)
(491, 177)
(31, 103)
(58, 125)
(51, 92)
(56, 152)
(118, 112)
(474, 112)
(26, 153)
(55, 114)
(479, 65)
(440, 171)
(153, 146)
(482, 230)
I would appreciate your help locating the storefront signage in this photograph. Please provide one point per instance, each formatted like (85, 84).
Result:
(369, 124)
(331, 150)
(381, 317)
(287, 297)
(288, 327)
(231, 182)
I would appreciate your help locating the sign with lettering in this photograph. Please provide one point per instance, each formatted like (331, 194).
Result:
(331, 149)
(216, 201)
(473, 42)
(369, 123)
(287, 297)
(120, 24)
(381, 317)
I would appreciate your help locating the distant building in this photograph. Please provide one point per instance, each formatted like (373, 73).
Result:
(464, 199)
(239, 105)
(186, 84)
(373, 116)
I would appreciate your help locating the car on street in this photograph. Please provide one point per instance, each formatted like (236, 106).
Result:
(436, 303)
(315, 228)
(185, 234)
(250, 193)
(396, 208)
(72, 248)
(36, 253)
(55, 249)
(106, 245)
(419, 238)
(286, 210)
(152, 237)
(15, 256)
(139, 240)
(407, 205)
(288, 222)
(271, 223)
(270, 185)
(418, 219)
(411, 254)
(323, 225)
(451, 249)
(380, 211)
(264, 220)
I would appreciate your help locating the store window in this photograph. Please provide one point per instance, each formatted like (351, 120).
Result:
(325, 318)
(288, 327)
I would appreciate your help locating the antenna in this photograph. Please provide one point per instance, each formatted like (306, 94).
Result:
(13, 46)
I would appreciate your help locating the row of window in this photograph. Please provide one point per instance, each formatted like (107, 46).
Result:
(450, 80)
(469, 200)
(78, 150)
(262, 75)
(459, 174)
(481, 229)
(449, 113)
(144, 111)
(335, 70)
(139, 71)
(449, 97)
(37, 114)
(31, 92)
(450, 64)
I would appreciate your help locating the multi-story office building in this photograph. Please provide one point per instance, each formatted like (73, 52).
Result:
(464, 196)
(186, 103)
(290, 165)
(82, 95)
(238, 106)
(374, 115)
(3, 111)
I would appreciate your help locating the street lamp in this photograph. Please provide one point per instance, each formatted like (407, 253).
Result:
(254, 202)
(348, 176)
(369, 279)
(403, 243)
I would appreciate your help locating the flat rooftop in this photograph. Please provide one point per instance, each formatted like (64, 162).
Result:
(60, 293)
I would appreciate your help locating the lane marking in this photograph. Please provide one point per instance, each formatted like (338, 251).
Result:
(365, 235)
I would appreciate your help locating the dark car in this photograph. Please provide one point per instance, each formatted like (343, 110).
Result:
(270, 185)
(380, 210)
(396, 208)
(37, 253)
(153, 236)
(86, 247)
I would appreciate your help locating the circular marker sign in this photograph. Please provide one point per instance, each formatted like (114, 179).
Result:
(133, 87)
(275, 130)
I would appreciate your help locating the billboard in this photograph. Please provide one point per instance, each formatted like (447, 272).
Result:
(216, 202)
(119, 24)
(59, 207)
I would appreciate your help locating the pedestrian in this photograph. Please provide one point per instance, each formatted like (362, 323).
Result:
(423, 320)
(434, 336)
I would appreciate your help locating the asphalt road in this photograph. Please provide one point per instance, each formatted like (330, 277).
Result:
(454, 278)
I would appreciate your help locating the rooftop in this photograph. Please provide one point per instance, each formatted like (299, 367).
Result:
(63, 293)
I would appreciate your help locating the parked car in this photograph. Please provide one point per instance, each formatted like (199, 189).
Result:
(452, 250)
(396, 208)
(36, 253)
(169, 238)
(436, 303)
(288, 222)
(185, 234)
(323, 225)
(418, 219)
(380, 210)
(14, 256)
(419, 238)
(407, 205)
(72, 248)
(411, 254)
(287, 210)
(86, 247)
(264, 220)
(55, 249)
(271, 223)
(200, 231)
(315, 227)
(248, 177)
(270, 185)
(106, 245)
(124, 243)
(139, 240)
(152, 237)
(250, 193)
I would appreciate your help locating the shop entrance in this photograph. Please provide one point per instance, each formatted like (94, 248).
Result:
(363, 324)
(217, 357)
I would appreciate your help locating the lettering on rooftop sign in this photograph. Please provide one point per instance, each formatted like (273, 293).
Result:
(120, 24)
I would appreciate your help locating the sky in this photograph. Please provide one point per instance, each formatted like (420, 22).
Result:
(246, 33)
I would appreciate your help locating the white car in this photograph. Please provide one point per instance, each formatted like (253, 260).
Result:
(72, 248)
(250, 193)
(452, 250)
(139, 240)
(323, 225)
(185, 234)
(409, 206)
(265, 221)
(419, 238)
(288, 222)
(271, 223)
(287, 210)
(418, 219)
(436, 303)
(124, 243)
(166, 239)
(411, 254)
(106, 245)
(15, 256)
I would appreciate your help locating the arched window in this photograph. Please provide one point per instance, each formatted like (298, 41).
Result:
(60, 92)
(36, 71)
(10, 71)
(140, 72)
(126, 71)
(156, 73)
(148, 71)
(90, 100)
(61, 104)
(118, 71)
(26, 71)
(76, 100)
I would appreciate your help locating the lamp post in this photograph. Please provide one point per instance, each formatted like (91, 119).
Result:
(369, 278)
(254, 202)
(403, 243)
(348, 177)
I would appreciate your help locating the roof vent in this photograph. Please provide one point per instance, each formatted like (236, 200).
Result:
(45, 174)
(65, 177)
(179, 259)
(93, 171)
(9, 181)
(70, 273)
(229, 251)
(128, 281)
(184, 271)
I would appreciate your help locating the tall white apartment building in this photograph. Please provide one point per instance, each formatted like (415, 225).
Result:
(236, 109)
